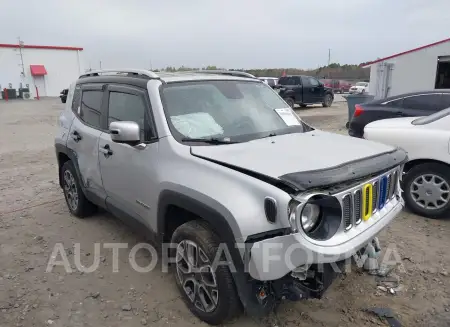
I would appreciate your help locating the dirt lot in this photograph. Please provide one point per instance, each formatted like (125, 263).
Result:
(34, 217)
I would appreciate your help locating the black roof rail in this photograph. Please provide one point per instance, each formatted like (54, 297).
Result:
(236, 73)
(126, 72)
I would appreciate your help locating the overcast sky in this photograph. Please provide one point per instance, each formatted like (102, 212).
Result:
(227, 33)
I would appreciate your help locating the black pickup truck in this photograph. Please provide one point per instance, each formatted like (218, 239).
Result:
(304, 90)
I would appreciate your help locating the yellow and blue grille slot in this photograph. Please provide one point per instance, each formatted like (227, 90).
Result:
(367, 201)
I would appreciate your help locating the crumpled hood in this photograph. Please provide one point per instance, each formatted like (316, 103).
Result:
(314, 153)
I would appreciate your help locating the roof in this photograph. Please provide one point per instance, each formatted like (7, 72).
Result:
(409, 94)
(142, 76)
(406, 52)
(45, 47)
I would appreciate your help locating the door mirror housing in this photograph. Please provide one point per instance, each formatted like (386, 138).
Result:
(125, 132)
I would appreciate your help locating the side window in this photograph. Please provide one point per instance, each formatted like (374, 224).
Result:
(76, 100)
(271, 82)
(312, 81)
(296, 80)
(423, 102)
(129, 107)
(91, 103)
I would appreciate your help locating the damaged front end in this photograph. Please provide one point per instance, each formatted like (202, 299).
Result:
(328, 228)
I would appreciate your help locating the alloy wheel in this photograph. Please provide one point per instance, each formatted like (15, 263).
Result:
(70, 190)
(196, 276)
(430, 191)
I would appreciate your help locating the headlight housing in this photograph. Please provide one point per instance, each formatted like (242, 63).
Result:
(310, 217)
(319, 216)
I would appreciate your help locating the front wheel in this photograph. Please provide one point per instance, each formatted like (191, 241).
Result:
(327, 100)
(209, 292)
(427, 190)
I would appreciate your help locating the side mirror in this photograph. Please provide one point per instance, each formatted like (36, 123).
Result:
(125, 132)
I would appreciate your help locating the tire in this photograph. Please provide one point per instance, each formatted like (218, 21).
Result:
(290, 102)
(81, 207)
(412, 193)
(227, 304)
(327, 100)
(303, 105)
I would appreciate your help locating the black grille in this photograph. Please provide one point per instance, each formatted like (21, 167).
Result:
(375, 196)
(357, 200)
(270, 207)
(347, 204)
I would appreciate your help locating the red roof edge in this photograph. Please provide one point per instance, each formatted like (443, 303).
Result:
(48, 47)
(405, 52)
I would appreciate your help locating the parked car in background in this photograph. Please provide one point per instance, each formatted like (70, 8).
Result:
(359, 88)
(205, 162)
(426, 181)
(338, 86)
(404, 105)
(271, 81)
(63, 95)
(304, 90)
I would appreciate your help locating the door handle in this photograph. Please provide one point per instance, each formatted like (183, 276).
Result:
(399, 113)
(106, 151)
(76, 136)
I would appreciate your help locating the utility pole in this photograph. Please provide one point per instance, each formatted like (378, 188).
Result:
(100, 64)
(21, 56)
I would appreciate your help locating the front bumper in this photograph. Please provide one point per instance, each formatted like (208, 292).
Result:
(274, 258)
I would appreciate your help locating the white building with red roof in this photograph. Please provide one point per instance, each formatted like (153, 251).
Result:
(423, 68)
(43, 69)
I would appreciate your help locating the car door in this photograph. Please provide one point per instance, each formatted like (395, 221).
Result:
(445, 100)
(312, 90)
(128, 172)
(421, 105)
(84, 137)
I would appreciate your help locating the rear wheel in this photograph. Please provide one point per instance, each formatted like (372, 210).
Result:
(209, 292)
(427, 190)
(290, 102)
(327, 100)
(77, 203)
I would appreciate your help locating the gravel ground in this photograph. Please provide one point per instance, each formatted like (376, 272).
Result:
(34, 217)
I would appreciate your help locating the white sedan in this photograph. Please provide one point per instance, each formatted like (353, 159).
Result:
(426, 179)
(359, 88)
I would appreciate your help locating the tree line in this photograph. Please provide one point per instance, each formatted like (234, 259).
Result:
(332, 71)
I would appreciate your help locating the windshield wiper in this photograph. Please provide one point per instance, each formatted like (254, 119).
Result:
(269, 135)
(211, 140)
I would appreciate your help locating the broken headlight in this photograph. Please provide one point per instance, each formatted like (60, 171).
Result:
(317, 215)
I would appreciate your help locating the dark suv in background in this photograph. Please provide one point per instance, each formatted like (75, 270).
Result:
(404, 105)
(304, 90)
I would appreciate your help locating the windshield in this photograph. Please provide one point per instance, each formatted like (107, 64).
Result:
(431, 118)
(361, 84)
(232, 110)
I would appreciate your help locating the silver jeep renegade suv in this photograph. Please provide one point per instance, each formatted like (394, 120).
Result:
(219, 166)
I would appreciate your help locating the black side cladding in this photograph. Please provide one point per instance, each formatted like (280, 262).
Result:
(343, 173)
